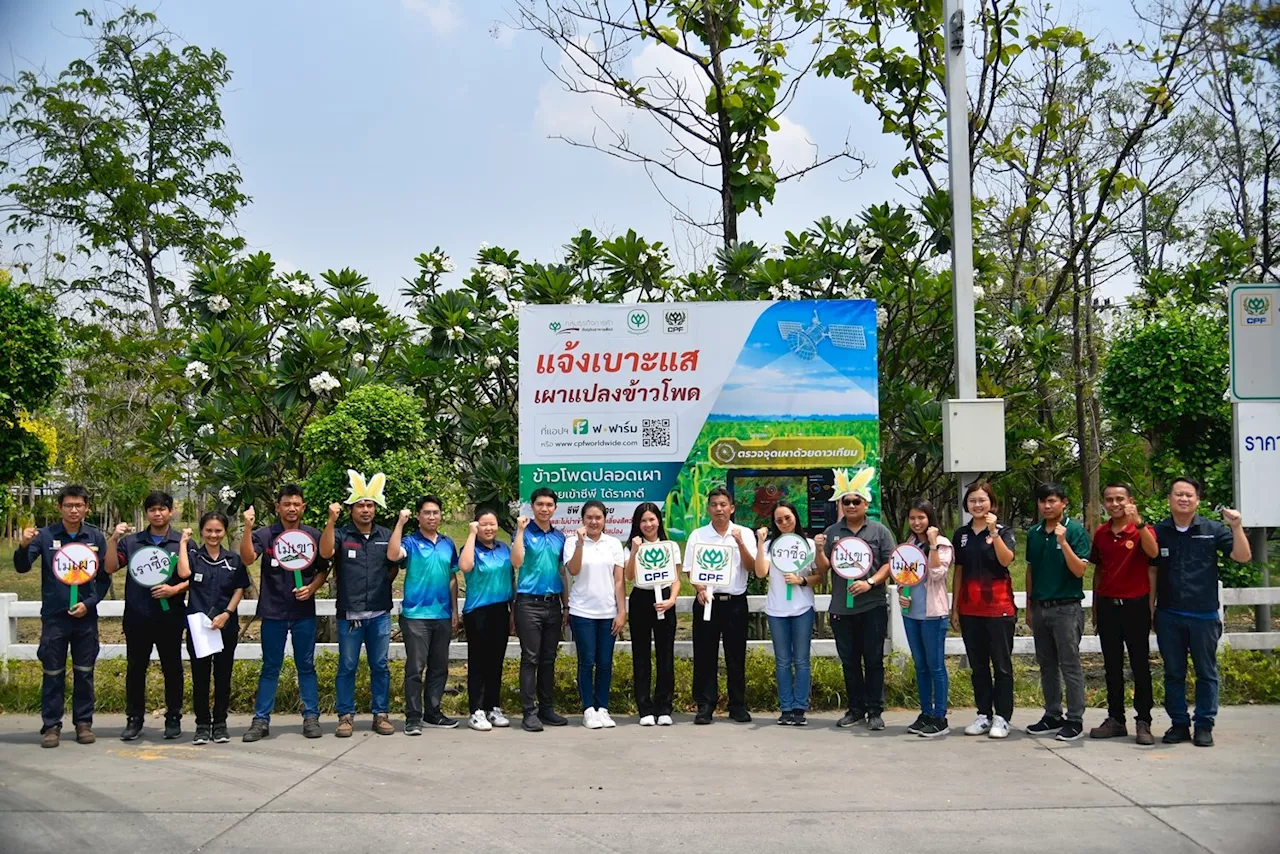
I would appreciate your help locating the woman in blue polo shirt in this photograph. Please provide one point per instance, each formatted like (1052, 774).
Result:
(489, 568)
(218, 580)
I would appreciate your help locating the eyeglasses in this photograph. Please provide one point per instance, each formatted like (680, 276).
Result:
(850, 502)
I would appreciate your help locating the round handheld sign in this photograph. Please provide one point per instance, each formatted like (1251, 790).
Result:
(712, 566)
(294, 551)
(75, 564)
(656, 568)
(852, 559)
(908, 566)
(152, 566)
(789, 554)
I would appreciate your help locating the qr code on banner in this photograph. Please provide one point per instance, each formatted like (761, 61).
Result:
(656, 432)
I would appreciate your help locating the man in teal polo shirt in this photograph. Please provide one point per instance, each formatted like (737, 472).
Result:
(1057, 555)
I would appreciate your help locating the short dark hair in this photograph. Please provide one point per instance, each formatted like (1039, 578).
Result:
(1195, 484)
(1119, 484)
(429, 499)
(719, 490)
(74, 490)
(481, 511)
(597, 504)
(1050, 490)
(289, 489)
(543, 492)
(158, 498)
(215, 516)
(925, 506)
(981, 486)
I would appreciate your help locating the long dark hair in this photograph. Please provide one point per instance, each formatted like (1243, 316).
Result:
(774, 533)
(647, 507)
(925, 506)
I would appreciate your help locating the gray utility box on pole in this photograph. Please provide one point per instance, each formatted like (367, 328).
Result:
(973, 436)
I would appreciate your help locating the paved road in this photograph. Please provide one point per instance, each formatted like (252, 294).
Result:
(727, 787)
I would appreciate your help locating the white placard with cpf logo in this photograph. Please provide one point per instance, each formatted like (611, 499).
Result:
(656, 568)
(711, 567)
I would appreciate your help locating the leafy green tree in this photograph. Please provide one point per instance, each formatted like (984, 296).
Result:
(31, 371)
(124, 151)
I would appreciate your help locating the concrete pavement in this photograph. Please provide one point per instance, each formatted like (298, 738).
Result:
(727, 787)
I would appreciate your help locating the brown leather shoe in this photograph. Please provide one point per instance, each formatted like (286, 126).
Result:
(84, 734)
(382, 725)
(1144, 733)
(51, 736)
(346, 723)
(1111, 728)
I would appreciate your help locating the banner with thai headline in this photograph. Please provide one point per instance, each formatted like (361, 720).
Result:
(662, 401)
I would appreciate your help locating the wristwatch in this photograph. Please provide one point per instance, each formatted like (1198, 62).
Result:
(804, 582)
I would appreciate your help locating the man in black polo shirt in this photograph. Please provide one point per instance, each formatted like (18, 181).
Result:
(359, 552)
(62, 625)
(1187, 609)
(148, 623)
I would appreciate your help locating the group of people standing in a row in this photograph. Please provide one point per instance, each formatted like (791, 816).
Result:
(545, 579)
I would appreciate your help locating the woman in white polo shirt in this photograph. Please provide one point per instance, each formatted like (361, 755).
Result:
(790, 619)
(597, 610)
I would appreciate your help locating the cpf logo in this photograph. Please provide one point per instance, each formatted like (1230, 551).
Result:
(638, 320)
(1257, 309)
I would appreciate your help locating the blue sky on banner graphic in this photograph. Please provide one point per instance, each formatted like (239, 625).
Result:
(818, 368)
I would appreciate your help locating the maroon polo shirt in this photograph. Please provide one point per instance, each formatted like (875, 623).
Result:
(1120, 563)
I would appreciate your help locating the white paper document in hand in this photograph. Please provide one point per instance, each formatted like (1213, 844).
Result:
(205, 639)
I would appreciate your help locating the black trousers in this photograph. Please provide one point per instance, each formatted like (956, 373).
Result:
(218, 666)
(165, 636)
(57, 633)
(651, 635)
(1126, 623)
(728, 623)
(860, 644)
(539, 620)
(487, 629)
(988, 641)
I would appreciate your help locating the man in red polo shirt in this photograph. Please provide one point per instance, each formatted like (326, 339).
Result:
(1123, 601)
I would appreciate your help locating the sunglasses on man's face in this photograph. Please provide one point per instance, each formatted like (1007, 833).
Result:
(851, 502)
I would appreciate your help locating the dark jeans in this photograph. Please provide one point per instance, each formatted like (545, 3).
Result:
(426, 648)
(375, 636)
(648, 631)
(219, 667)
(728, 622)
(538, 623)
(1178, 636)
(274, 633)
(487, 629)
(57, 633)
(165, 635)
(988, 641)
(860, 644)
(927, 639)
(1057, 630)
(594, 639)
(1126, 623)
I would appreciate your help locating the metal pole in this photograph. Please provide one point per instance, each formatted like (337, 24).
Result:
(1258, 543)
(966, 348)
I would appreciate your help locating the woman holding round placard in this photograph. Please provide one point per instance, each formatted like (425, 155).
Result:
(924, 617)
(597, 610)
(982, 608)
(786, 557)
(653, 615)
(218, 580)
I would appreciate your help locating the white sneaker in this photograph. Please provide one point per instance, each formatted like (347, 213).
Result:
(647, 720)
(589, 719)
(602, 718)
(479, 722)
(999, 728)
(981, 726)
(664, 720)
(497, 718)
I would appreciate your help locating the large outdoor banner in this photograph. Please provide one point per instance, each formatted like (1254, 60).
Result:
(662, 401)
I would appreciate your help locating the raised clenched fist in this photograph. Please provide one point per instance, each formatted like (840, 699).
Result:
(761, 533)
(820, 541)
(473, 527)
(1231, 517)
(932, 535)
(635, 542)
(522, 522)
(121, 529)
(28, 534)
(249, 517)
(581, 533)
(335, 510)
(186, 534)
(405, 514)
(990, 519)
(736, 532)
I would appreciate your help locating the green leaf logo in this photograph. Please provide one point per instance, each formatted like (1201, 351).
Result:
(654, 557)
(637, 320)
(1256, 306)
(554, 326)
(711, 561)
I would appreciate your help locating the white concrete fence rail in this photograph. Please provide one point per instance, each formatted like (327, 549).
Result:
(11, 610)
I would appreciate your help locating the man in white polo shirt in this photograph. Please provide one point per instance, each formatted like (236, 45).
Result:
(728, 614)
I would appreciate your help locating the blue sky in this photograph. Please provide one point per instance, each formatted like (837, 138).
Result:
(371, 132)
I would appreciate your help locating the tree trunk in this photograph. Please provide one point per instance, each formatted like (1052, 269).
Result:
(728, 213)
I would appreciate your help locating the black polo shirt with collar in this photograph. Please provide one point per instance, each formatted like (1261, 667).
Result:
(138, 603)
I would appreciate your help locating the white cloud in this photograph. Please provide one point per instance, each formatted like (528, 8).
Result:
(443, 16)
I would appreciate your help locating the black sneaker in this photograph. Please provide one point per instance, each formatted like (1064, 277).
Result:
(934, 727)
(202, 735)
(741, 716)
(785, 719)
(413, 728)
(1203, 738)
(172, 728)
(1046, 726)
(220, 734)
(530, 723)
(875, 723)
(851, 718)
(918, 724)
(549, 717)
(798, 718)
(259, 730)
(703, 717)
(441, 722)
(132, 729)
(1177, 734)
(1070, 731)
(311, 728)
